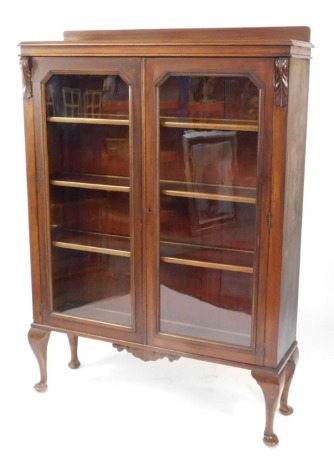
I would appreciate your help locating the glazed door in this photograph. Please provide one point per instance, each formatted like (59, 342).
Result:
(209, 194)
(89, 206)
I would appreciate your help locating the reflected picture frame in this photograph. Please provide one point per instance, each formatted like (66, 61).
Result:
(210, 162)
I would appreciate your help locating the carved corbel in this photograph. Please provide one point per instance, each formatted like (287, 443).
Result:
(281, 81)
(25, 64)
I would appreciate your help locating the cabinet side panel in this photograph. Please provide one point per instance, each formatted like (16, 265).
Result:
(293, 202)
(32, 202)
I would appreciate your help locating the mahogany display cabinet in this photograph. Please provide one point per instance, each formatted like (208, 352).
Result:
(165, 180)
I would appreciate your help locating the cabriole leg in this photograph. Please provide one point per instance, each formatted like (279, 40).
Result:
(38, 340)
(74, 362)
(271, 385)
(290, 368)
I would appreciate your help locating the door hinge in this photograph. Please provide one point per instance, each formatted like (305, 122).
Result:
(269, 219)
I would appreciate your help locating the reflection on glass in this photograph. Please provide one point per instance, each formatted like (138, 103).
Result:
(208, 178)
(88, 152)
(209, 161)
(87, 96)
(206, 303)
(201, 98)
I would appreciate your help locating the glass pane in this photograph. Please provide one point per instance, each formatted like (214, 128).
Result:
(87, 96)
(208, 180)
(88, 152)
(92, 286)
(211, 304)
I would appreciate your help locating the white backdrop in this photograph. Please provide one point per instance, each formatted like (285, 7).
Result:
(116, 410)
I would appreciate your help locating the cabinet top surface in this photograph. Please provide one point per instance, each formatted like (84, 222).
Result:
(146, 41)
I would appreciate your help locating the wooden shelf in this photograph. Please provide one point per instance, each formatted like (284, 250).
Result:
(175, 253)
(91, 242)
(239, 194)
(115, 120)
(99, 182)
(209, 191)
(209, 123)
(207, 257)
